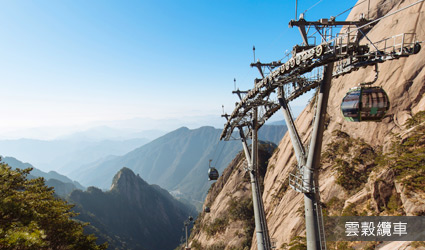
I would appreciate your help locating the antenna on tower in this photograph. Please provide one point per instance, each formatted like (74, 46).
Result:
(253, 51)
(234, 82)
(296, 7)
(224, 114)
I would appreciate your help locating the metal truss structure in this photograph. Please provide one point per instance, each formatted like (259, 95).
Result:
(300, 73)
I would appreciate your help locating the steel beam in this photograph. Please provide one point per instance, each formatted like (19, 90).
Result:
(326, 22)
(263, 241)
(254, 183)
(313, 161)
(245, 148)
(254, 175)
(292, 130)
(249, 159)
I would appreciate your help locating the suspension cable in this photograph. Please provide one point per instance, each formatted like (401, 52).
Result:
(314, 5)
(350, 8)
(390, 14)
(378, 19)
(215, 151)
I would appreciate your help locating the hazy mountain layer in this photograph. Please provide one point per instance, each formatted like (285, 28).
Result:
(66, 154)
(62, 184)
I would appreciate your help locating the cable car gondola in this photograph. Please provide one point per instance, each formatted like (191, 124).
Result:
(212, 173)
(365, 103)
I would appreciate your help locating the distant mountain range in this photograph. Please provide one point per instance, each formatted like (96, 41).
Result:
(70, 152)
(276, 123)
(102, 133)
(62, 184)
(133, 214)
(177, 161)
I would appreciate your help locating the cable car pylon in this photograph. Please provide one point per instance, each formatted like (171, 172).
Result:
(337, 55)
(261, 229)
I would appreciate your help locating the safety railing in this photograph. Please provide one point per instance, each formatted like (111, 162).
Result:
(399, 44)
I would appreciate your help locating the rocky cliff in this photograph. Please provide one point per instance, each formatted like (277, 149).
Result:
(404, 82)
(359, 173)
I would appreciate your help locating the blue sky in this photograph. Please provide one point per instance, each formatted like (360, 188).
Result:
(73, 63)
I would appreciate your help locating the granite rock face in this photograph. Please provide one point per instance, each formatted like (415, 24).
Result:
(404, 82)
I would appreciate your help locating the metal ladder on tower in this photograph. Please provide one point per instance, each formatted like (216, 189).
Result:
(320, 222)
(266, 237)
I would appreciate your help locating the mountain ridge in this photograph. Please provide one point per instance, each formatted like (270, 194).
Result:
(62, 184)
(132, 214)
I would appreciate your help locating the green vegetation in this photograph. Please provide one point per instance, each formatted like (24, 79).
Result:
(417, 119)
(407, 154)
(371, 245)
(301, 211)
(353, 210)
(339, 146)
(248, 231)
(31, 217)
(417, 244)
(353, 160)
(350, 210)
(348, 245)
(333, 207)
(241, 209)
(341, 245)
(196, 245)
(394, 203)
(239, 248)
(217, 246)
(278, 195)
(276, 151)
(348, 177)
(296, 243)
(218, 225)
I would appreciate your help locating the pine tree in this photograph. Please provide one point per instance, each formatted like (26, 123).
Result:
(31, 217)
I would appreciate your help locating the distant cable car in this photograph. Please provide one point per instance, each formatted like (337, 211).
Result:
(365, 103)
(207, 209)
(212, 172)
